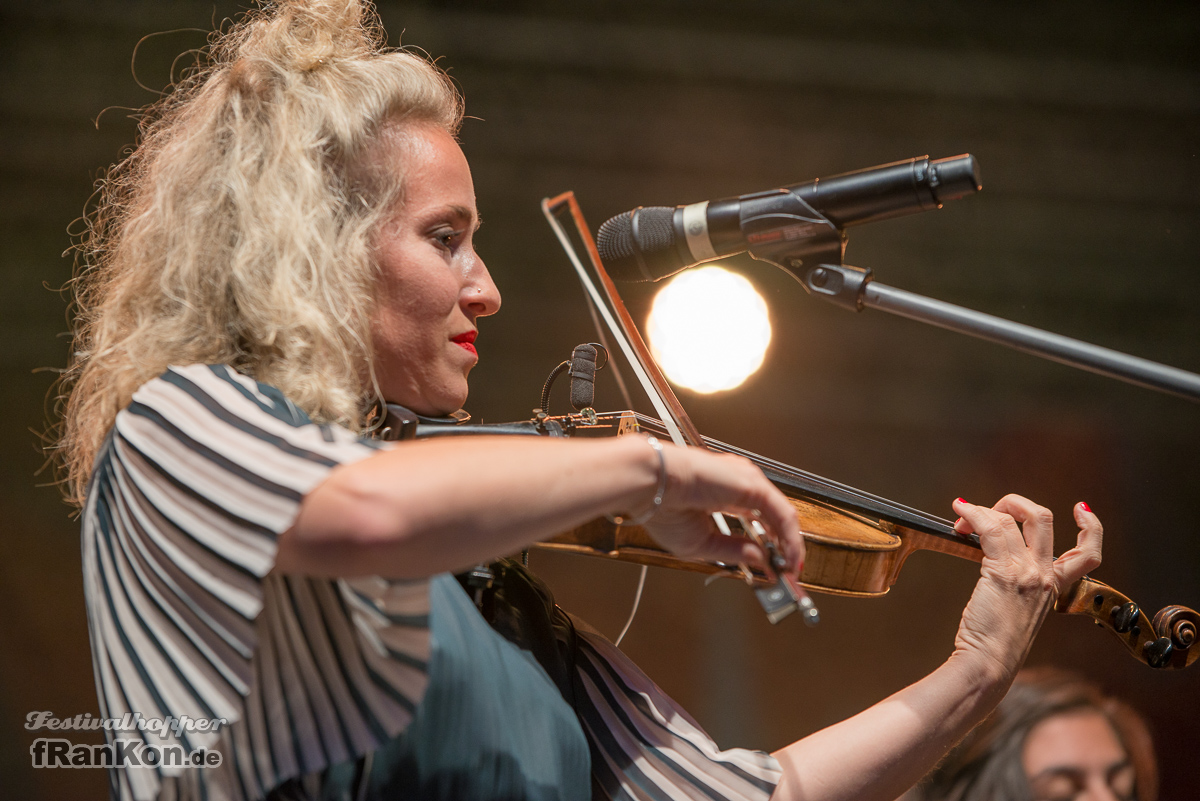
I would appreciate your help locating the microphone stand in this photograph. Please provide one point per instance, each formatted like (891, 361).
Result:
(854, 289)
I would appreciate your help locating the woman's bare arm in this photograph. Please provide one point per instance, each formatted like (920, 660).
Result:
(428, 506)
(881, 752)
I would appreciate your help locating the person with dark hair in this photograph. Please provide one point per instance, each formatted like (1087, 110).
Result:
(290, 244)
(1054, 737)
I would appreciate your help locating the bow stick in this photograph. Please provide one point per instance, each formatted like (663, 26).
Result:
(784, 595)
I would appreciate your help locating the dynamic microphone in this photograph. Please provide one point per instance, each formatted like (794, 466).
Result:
(651, 243)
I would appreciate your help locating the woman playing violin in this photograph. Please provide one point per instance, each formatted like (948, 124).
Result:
(292, 242)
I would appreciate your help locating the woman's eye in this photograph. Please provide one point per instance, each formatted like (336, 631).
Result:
(446, 239)
(1056, 788)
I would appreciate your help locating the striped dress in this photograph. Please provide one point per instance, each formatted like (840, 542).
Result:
(199, 476)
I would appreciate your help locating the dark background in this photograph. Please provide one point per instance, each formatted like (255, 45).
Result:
(1085, 117)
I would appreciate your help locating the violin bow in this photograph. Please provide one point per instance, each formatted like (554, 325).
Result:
(784, 594)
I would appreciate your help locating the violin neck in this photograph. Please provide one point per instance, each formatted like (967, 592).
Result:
(962, 547)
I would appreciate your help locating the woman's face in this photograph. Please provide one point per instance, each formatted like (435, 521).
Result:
(1077, 757)
(432, 286)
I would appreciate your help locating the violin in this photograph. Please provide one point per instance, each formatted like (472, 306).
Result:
(856, 543)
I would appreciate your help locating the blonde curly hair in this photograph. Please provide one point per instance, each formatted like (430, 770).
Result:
(239, 230)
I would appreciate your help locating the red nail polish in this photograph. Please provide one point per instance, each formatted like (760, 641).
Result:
(959, 520)
(1085, 507)
(959, 500)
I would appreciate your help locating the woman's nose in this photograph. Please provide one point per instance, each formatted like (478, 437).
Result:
(480, 296)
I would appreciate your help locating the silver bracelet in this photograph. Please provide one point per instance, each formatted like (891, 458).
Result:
(644, 517)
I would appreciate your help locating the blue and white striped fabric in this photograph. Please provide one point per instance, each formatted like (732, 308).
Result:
(645, 747)
(200, 475)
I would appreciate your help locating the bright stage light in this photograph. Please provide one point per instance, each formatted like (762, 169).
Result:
(709, 329)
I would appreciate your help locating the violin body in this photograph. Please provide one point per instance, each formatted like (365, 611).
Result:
(855, 543)
(845, 554)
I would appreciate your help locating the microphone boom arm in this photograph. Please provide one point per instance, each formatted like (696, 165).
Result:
(853, 288)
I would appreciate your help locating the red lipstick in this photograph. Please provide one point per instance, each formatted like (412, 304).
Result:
(466, 341)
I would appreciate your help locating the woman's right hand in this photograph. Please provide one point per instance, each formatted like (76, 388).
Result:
(1020, 579)
(700, 482)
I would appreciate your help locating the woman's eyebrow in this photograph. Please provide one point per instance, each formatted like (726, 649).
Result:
(453, 213)
(466, 214)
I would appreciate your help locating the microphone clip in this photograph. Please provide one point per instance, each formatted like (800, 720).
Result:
(783, 229)
(840, 284)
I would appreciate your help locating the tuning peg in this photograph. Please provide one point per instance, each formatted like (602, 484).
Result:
(1125, 616)
(1158, 652)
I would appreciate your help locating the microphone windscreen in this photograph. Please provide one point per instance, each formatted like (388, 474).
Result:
(639, 245)
(583, 377)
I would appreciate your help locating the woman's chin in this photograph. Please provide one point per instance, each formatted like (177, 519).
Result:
(439, 400)
(440, 404)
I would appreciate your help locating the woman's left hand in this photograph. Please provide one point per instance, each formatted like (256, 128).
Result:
(1020, 578)
(882, 751)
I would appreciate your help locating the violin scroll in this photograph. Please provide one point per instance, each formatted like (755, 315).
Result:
(1179, 624)
(1164, 642)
